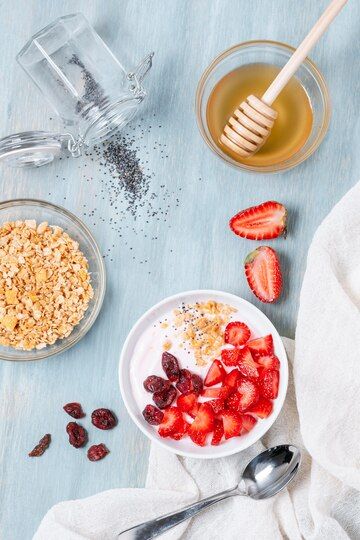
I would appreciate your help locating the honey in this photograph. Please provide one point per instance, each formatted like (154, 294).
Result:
(295, 116)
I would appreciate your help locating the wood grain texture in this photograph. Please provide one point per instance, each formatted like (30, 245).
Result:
(196, 251)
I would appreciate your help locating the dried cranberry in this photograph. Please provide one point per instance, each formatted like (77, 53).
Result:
(77, 434)
(197, 383)
(74, 410)
(97, 451)
(184, 383)
(153, 415)
(165, 398)
(170, 366)
(153, 383)
(103, 419)
(40, 448)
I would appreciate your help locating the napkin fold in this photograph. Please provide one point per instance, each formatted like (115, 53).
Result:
(321, 415)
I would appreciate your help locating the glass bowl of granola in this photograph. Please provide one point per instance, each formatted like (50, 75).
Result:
(52, 280)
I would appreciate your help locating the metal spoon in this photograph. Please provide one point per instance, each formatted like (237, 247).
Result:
(265, 475)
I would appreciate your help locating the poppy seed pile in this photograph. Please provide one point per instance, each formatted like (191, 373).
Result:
(121, 175)
(126, 177)
(129, 187)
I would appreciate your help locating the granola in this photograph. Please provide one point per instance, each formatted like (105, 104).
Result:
(45, 284)
(202, 326)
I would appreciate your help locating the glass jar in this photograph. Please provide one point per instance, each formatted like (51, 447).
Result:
(86, 85)
(277, 54)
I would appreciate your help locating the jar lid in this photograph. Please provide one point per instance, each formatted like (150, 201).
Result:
(30, 148)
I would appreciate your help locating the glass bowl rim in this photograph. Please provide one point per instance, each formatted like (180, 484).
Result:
(291, 162)
(44, 353)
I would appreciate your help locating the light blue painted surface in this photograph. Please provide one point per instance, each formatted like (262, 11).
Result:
(197, 251)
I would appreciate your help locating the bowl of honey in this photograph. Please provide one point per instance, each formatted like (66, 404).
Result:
(303, 106)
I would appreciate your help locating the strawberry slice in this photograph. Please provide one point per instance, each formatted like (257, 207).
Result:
(261, 408)
(218, 432)
(217, 405)
(269, 361)
(249, 394)
(248, 422)
(181, 431)
(261, 346)
(237, 333)
(216, 374)
(198, 437)
(269, 383)
(232, 378)
(217, 393)
(246, 395)
(230, 357)
(202, 425)
(262, 222)
(186, 402)
(232, 402)
(247, 365)
(171, 422)
(194, 410)
(263, 273)
(232, 424)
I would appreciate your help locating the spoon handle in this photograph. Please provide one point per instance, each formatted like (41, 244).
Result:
(154, 527)
(302, 51)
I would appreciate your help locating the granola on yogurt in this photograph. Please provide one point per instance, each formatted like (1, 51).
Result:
(45, 284)
(202, 327)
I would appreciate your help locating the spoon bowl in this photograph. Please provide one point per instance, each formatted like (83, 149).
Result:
(270, 472)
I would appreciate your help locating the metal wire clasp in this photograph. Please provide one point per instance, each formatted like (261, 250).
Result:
(136, 77)
(74, 146)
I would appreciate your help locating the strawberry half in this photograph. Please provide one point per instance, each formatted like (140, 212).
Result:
(171, 422)
(216, 374)
(269, 361)
(246, 364)
(218, 432)
(263, 273)
(261, 408)
(186, 402)
(269, 383)
(232, 424)
(262, 222)
(261, 346)
(230, 357)
(232, 378)
(202, 425)
(237, 333)
(248, 422)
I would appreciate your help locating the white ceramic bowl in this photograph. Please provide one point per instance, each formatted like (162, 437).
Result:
(260, 326)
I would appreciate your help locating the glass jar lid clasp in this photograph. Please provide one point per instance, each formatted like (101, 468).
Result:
(136, 77)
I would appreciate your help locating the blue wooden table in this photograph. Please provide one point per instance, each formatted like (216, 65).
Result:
(187, 245)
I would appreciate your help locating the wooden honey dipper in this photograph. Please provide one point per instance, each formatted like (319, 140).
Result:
(251, 124)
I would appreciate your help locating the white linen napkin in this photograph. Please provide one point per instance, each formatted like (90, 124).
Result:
(323, 503)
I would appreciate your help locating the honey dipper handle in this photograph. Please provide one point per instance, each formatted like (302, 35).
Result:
(302, 51)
